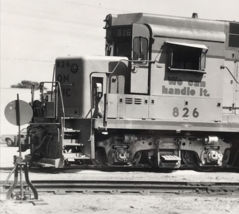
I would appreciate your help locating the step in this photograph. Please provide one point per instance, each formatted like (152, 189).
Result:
(49, 162)
(74, 156)
(71, 131)
(73, 144)
(170, 157)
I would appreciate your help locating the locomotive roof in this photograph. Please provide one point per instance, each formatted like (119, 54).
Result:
(163, 20)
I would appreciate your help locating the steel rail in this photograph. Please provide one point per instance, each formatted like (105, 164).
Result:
(142, 187)
(141, 167)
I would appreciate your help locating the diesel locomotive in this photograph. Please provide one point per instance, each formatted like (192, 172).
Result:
(165, 95)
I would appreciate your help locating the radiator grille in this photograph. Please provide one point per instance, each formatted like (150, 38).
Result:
(128, 100)
(137, 101)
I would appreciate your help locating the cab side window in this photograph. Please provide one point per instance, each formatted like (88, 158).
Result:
(140, 48)
(186, 57)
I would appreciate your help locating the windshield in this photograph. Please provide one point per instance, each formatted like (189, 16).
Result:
(123, 49)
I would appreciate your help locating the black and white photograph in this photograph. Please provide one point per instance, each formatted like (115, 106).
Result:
(113, 107)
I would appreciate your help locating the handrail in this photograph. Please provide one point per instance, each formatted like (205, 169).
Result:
(56, 84)
(61, 97)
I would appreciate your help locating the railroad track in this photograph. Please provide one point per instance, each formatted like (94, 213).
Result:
(133, 187)
(109, 169)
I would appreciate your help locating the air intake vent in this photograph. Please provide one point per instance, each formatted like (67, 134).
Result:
(137, 101)
(128, 100)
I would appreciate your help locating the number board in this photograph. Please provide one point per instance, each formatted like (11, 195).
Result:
(122, 32)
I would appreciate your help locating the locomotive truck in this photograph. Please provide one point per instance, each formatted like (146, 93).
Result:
(165, 95)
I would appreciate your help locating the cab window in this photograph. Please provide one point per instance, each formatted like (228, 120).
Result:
(140, 48)
(188, 57)
(122, 49)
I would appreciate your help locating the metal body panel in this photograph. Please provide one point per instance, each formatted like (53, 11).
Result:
(237, 85)
(187, 90)
(112, 106)
(236, 72)
(167, 125)
(229, 87)
(190, 33)
(75, 80)
(127, 106)
(200, 85)
(164, 108)
(213, 40)
(230, 93)
(163, 20)
(231, 118)
(185, 109)
(132, 106)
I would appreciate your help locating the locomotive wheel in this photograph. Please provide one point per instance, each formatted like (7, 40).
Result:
(136, 158)
(189, 158)
(100, 158)
(9, 142)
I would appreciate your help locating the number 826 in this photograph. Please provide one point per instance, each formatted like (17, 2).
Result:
(186, 112)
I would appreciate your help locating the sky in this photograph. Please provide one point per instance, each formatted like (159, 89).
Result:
(34, 33)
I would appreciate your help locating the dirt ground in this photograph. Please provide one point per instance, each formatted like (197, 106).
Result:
(104, 204)
(124, 203)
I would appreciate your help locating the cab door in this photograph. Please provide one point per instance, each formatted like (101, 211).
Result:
(140, 56)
